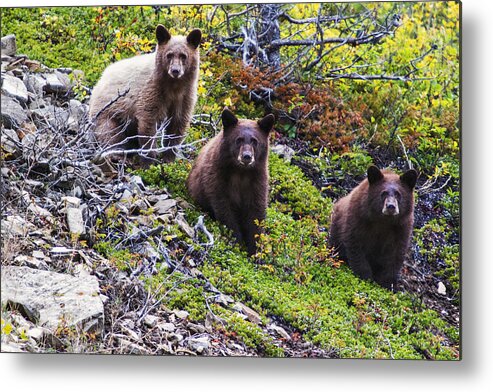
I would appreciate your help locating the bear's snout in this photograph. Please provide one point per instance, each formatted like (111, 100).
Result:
(246, 156)
(391, 206)
(175, 72)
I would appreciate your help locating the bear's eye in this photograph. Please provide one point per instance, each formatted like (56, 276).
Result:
(183, 56)
(239, 141)
(398, 196)
(385, 194)
(169, 56)
(254, 142)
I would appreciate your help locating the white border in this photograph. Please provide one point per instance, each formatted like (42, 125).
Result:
(473, 373)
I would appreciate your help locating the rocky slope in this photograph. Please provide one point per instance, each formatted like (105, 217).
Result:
(58, 293)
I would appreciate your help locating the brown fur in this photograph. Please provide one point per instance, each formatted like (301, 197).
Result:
(161, 85)
(371, 227)
(222, 182)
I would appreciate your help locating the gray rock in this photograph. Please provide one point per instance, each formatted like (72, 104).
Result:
(197, 328)
(71, 201)
(126, 197)
(9, 45)
(57, 82)
(151, 320)
(61, 251)
(77, 114)
(168, 327)
(14, 87)
(30, 261)
(50, 299)
(132, 348)
(51, 115)
(137, 184)
(251, 314)
(15, 225)
(280, 331)
(44, 335)
(283, 151)
(199, 344)
(183, 225)
(181, 314)
(9, 140)
(162, 206)
(13, 116)
(223, 299)
(75, 221)
(35, 83)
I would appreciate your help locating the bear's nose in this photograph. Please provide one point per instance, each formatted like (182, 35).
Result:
(391, 207)
(175, 72)
(247, 156)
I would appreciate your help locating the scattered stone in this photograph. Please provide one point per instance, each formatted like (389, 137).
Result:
(39, 254)
(224, 299)
(183, 225)
(126, 197)
(280, 331)
(15, 225)
(151, 321)
(168, 327)
(13, 116)
(45, 336)
(35, 84)
(181, 314)
(52, 116)
(442, 290)
(199, 344)
(137, 183)
(51, 299)
(10, 141)
(163, 205)
(132, 348)
(251, 314)
(82, 270)
(14, 87)
(197, 328)
(57, 82)
(283, 151)
(40, 211)
(71, 201)
(61, 251)
(9, 45)
(75, 221)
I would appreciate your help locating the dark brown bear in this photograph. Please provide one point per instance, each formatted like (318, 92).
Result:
(371, 227)
(230, 179)
(136, 95)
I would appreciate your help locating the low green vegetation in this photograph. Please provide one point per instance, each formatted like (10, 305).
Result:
(298, 280)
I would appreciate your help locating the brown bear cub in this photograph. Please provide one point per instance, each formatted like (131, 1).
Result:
(230, 179)
(136, 96)
(371, 227)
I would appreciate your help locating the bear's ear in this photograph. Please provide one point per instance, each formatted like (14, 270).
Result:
(266, 123)
(409, 178)
(228, 118)
(194, 38)
(162, 34)
(374, 174)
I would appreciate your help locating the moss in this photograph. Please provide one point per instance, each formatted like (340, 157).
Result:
(123, 259)
(294, 193)
(300, 282)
